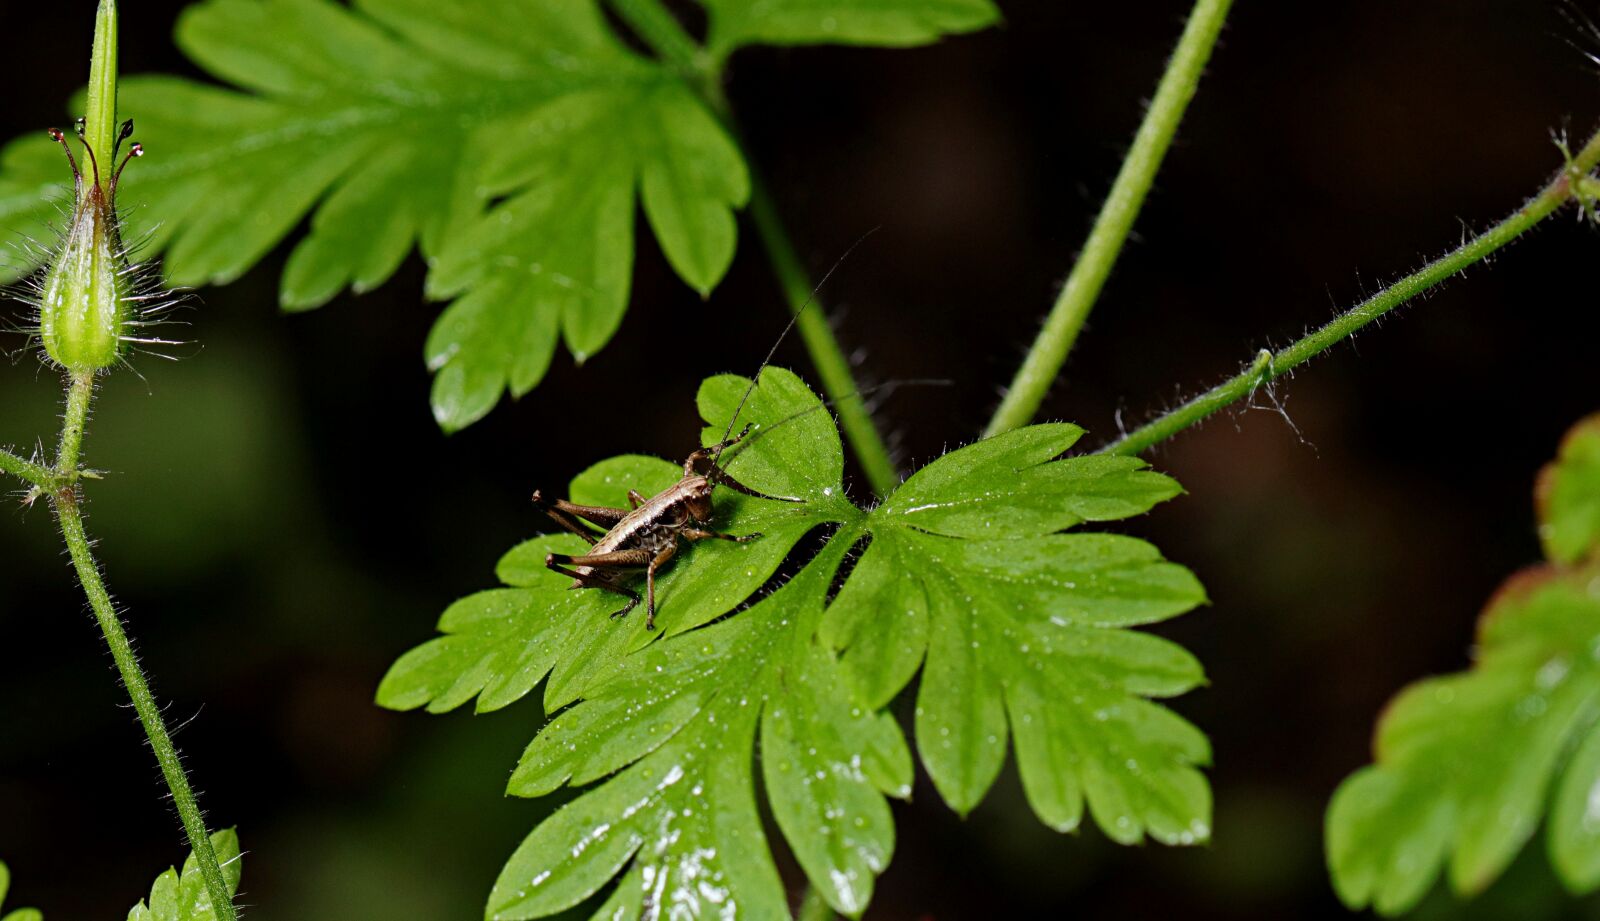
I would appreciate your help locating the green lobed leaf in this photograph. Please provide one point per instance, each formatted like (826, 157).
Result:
(1017, 625)
(1467, 763)
(396, 122)
(183, 896)
(685, 714)
(1012, 621)
(1567, 496)
(1004, 488)
(510, 141)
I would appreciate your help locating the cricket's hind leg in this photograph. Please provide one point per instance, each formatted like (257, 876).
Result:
(606, 567)
(567, 515)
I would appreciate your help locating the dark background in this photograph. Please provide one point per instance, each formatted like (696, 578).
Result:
(284, 518)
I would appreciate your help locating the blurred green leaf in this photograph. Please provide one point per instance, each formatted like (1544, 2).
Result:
(1467, 764)
(507, 139)
(1568, 496)
(20, 914)
(183, 896)
(965, 572)
(856, 22)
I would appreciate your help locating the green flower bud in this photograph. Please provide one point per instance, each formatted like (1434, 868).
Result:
(86, 292)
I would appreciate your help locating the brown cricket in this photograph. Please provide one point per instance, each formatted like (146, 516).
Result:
(649, 533)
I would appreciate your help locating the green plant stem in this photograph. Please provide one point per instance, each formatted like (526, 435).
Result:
(80, 394)
(813, 907)
(665, 35)
(1088, 276)
(1269, 365)
(40, 476)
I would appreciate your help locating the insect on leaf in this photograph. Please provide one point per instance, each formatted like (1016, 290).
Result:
(183, 896)
(512, 141)
(965, 575)
(1467, 764)
(500, 643)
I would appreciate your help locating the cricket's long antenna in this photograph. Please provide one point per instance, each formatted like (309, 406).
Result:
(888, 387)
(734, 419)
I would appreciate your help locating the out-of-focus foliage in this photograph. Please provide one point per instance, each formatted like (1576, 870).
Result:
(1568, 496)
(508, 140)
(1469, 764)
(20, 914)
(966, 577)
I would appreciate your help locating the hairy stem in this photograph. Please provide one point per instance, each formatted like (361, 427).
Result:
(665, 35)
(1088, 276)
(80, 394)
(813, 907)
(1269, 365)
(40, 476)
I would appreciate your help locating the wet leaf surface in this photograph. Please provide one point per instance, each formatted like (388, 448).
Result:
(1021, 630)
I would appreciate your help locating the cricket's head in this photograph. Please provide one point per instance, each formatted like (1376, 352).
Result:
(702, 472)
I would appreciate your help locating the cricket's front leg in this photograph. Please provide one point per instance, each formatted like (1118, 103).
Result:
(605, 564)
